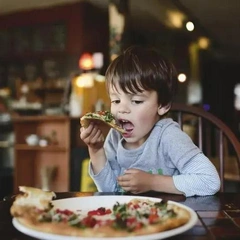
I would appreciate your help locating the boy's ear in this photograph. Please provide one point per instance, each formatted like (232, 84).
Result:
(163, 110)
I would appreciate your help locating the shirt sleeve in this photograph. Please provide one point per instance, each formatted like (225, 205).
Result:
(198, 177)
(106, 179)
(196, 173)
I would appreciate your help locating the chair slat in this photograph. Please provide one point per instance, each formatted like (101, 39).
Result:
(200, 134)
(205, 135)
(221, 163)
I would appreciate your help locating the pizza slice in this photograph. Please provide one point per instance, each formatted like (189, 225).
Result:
(104, 116)
(33, 209)
(31, 198)
(143, 216)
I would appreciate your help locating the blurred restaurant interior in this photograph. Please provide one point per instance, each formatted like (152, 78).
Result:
(53, 56)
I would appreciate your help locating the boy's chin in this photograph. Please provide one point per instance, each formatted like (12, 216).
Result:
(133, 142)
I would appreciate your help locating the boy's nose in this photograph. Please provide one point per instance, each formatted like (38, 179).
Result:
(123, 108)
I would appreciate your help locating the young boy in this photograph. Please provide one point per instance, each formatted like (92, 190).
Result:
(154, 153)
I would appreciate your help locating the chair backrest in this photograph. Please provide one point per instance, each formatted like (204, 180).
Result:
(213, 137)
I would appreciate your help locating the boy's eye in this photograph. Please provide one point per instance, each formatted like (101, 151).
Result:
(137, 101)
(115, 101)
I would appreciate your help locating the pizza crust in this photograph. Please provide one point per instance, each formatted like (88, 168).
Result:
(61, 228)
(182, 218)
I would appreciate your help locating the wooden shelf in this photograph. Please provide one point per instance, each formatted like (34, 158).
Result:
(19, 119)
(39, 148)
(31, 160)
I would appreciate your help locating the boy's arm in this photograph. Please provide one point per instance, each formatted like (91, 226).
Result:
(98, 159)
(93, 137)
(106, 178)
(161, 183)
(197, 175)
(137, 181)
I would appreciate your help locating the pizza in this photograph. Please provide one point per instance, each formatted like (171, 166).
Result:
(104, 116)
(138, 216)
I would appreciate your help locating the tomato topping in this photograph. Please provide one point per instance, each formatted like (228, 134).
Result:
(153, 218)
(100, 212)
(133, 224)
(138, 226)
(65, 212)
(135, 206)
(89, 221)
(108, 211)
(154, 211)
(131, 220)
(101, 112)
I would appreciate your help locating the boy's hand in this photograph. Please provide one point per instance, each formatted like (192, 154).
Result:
(92, 136)
(135, 181)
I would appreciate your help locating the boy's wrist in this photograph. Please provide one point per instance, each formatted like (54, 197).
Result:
(93, 150)
(98, 159)
(155, 182)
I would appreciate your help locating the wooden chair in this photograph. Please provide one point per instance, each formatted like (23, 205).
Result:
(213, 137)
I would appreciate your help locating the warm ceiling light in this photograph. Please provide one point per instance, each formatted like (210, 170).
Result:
(182, 77)
(85, 80)
(203, 42)
(97, 60)
(175, 19)
(86, 61)
(190, 26)
(237, 89)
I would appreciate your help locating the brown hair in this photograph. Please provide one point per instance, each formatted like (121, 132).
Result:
(139, 69)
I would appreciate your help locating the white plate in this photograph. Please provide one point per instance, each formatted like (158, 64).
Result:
(93, 202)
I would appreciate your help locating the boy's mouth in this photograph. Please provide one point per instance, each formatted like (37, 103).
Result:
(127, 125)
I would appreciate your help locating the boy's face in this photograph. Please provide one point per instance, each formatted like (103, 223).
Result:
(137, 113)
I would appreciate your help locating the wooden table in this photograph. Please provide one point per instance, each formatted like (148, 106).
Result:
(219, 215)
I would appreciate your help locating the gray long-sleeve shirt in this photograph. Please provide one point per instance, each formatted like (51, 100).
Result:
(168, 151)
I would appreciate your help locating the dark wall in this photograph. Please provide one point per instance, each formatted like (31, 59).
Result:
(219, 76)
(87, 26)
(32, 37)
